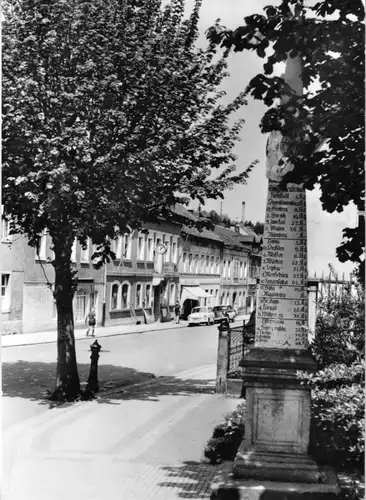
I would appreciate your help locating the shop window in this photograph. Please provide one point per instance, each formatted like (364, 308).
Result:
(125, 295)
(148, 295)
(138, 296)
(114, 296)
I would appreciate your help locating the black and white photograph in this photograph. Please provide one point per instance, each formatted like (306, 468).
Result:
(182, 308)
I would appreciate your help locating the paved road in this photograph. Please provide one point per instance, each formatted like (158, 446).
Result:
(29, 371)
(144, 443)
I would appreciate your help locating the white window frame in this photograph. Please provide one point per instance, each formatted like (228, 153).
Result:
(73, 251)
(224, 269)
(175, 250)
(128, 306)
(42, 254)
(118, 247)
(126, 251)
(190, 262)
(150, 249)
(5, 292)
(141, 250)
(5, 228)
(212, 265)
(229, 269)
(184, 261)
(119, 296)
(85, 254)
(149, 301)
(167, 255)
(218, 264)
(196, 263)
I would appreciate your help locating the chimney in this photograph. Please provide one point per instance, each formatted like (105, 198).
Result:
(243, 212)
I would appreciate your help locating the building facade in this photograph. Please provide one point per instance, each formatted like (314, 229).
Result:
(199, 269)
(142, 282)
(153, 268)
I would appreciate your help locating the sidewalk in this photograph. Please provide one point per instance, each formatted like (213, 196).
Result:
(100, 331)
(107, 331)
(145, 443)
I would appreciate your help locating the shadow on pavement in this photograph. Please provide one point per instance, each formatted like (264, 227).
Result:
(164, 386)
(32, 379)
(190, 480)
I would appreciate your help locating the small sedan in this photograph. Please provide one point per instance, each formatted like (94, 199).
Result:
(201, 315)
(222, 312)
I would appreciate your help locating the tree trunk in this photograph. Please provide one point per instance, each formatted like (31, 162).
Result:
(67, 377)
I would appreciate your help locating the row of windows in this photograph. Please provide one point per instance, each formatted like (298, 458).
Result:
(122, 247)
(235, 269)
(206, 264)
(203, 264)
(124, 296)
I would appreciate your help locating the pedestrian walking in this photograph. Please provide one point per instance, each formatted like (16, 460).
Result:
(177, 311)
(91, 320)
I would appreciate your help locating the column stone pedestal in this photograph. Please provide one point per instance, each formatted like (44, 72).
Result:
(277, 423)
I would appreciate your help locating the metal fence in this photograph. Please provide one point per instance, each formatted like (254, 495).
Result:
(240, 339)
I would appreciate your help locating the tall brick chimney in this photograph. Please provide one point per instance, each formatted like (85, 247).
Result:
(243, 212)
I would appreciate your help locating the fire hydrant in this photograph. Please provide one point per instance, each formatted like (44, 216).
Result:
(93, 384)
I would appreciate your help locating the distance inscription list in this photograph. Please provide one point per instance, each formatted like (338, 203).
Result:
(282, 307)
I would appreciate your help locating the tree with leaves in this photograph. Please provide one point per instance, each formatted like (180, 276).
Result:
(325, 126)
(111, 115)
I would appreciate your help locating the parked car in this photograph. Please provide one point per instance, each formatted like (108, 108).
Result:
(222, 312)
(202, 314)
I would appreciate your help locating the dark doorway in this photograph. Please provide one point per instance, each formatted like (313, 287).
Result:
(188, 305)
(156, 302)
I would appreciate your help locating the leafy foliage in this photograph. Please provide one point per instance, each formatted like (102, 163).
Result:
(110, 116)
(338, 413)
(338, 393)
(340, 326)
(329, 38)
(226, 437)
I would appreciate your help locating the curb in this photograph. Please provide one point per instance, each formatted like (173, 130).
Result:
(137, 332)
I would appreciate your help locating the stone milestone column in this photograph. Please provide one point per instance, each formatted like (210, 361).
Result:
(277, 420)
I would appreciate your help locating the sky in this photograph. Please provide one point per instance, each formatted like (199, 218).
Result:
(324, 229)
